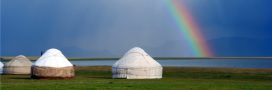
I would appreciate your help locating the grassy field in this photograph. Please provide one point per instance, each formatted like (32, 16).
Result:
(99, 78)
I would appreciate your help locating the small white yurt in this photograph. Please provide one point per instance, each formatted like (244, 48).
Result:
(1, 67)
(137, 64)
(18, 65)
(52, 65)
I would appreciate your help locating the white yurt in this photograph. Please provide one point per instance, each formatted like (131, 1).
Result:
(1, 67)
(18, 65)
(52, 65)
(137, 64)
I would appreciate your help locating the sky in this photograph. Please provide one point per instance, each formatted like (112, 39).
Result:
(109, 28)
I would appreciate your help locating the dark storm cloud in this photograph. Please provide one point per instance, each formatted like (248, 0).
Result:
(106, 28)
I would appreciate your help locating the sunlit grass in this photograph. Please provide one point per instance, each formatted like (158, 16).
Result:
(99, 78)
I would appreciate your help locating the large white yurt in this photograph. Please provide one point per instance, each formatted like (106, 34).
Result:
(52, 65)
(137, 64)
(18, 65)
(1, 67)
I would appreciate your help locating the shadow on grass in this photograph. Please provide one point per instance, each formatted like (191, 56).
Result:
(22, 78)
(100, 77)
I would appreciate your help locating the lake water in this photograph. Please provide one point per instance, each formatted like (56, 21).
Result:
(263, 63)
(225, 63)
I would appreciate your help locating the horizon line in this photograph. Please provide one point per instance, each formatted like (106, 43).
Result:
(157, 58)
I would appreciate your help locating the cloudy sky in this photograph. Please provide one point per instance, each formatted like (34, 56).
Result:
(108, 28)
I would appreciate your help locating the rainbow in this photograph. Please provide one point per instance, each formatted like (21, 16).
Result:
(189, 28)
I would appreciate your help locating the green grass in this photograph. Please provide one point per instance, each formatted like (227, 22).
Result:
(99, 78)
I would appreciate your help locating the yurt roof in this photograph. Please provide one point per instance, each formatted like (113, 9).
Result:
(53, 58)
(20, 60)
(1, 64)
(136, 58)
